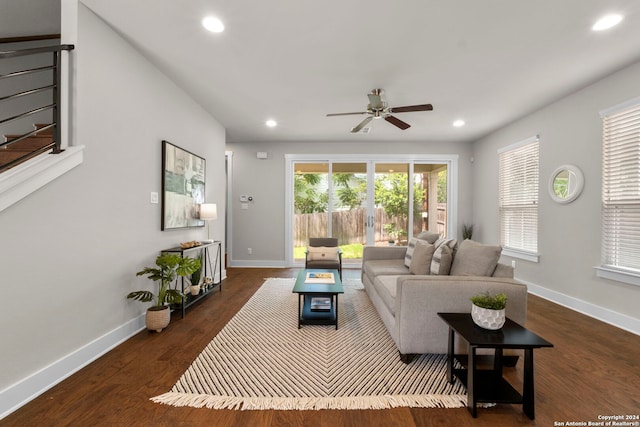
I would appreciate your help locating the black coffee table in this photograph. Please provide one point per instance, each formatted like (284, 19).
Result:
(306, 291)
(488, 386)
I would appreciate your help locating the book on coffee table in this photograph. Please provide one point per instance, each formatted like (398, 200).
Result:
(320, 304)
(320, 278)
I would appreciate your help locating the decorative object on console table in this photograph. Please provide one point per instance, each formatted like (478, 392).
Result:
(168, 268)
(194, 289)
(208, 212)
(488, 311)
(209, 273)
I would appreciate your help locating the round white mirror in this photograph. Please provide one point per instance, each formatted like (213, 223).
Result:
(566, 183)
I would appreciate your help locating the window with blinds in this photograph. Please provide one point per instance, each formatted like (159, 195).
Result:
(621, 187)
(518, 197)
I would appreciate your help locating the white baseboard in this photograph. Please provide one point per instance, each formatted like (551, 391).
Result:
(17, 395)
(603, 314)
(256, 264)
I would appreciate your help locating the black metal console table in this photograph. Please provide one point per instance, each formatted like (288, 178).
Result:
(217, 268)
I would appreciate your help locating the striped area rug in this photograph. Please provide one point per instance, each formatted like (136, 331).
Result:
(261, 360)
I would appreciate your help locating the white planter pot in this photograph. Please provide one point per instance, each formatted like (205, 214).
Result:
(195, 290)
(487, 318)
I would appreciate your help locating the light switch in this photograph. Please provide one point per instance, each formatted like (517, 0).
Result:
(244, 206)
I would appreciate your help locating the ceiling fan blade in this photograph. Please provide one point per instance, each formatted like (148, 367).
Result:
(361, 125)
(397, 122)
(409, 108)
(345, 114)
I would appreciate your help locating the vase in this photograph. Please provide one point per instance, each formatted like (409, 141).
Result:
(194, 289)
(487, 318)
(158, 318)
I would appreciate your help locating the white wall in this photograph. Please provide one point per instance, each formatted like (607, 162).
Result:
(569, 235)
(70, 251)
(261, 227)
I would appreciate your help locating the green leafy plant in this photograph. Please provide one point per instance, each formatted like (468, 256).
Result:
(169, 266)
(486, 300)
(467, 231)
(197, 274)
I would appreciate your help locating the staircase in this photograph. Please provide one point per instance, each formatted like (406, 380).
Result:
(40, 142)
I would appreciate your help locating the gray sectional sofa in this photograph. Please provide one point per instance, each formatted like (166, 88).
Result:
(408, 303)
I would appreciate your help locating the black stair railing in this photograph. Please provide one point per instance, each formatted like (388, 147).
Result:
(12, 152)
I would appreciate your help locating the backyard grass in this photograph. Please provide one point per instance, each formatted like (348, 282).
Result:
(352, 251)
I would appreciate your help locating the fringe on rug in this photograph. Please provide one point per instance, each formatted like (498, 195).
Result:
(310, 403)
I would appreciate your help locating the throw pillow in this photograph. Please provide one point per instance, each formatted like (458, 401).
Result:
(409, 253)
(429, 236)
(421, 259)
(451, 243)
(441, 260)
(322, 253)
(475, 259)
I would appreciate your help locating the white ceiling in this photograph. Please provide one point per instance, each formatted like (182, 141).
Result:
(487, 62)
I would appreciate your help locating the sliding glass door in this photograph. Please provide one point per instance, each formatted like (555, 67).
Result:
(365, 202)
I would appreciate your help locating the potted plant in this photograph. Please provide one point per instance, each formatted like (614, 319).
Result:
(195, 278)
(467, 231)
(488, 311)
(168, 267)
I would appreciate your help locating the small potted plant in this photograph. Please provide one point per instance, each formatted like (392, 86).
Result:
(467, 231)
(488, 311)
(194, 289)
(168, 267)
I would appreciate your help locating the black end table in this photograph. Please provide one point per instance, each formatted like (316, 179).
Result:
(488, 385)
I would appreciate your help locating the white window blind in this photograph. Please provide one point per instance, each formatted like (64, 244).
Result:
(621, 187)
(518, 196)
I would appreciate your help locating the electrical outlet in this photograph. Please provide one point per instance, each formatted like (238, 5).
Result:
(249, 251)
(153, 198)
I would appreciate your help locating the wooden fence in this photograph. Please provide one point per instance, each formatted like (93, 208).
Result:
(350, 226)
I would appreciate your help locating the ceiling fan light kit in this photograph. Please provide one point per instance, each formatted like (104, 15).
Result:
(377, 108)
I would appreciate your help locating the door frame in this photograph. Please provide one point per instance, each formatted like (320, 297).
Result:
(451, 160)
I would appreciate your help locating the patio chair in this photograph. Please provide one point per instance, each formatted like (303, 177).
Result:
(323, 253)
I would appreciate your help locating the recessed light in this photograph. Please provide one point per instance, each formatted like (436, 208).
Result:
(271, 123)
(213, 24)
(458, 123)
(607, 22)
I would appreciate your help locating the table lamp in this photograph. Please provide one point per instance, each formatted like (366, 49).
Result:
(208, 212)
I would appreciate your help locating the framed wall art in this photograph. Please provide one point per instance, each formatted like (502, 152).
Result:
(183, 179)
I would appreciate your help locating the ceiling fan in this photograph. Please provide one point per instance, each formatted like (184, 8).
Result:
(378, 108)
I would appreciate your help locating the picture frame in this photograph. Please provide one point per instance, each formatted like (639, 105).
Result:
(183, 187)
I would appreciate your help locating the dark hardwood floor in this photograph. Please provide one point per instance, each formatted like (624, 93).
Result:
(592, 371)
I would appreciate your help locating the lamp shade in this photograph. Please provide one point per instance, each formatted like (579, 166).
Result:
(208, 211)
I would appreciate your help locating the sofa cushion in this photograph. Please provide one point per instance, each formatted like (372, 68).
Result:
(421, 259)
(409, 254)
(451, 243)
(429, 236)
(441, 260)
(322, 253)
(386, 287)
(378, 267)
(475, 259)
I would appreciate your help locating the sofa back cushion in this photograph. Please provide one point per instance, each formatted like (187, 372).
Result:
(441, 260)
(428, 236)
(409, 254)
(421, 259)
(475, 259)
